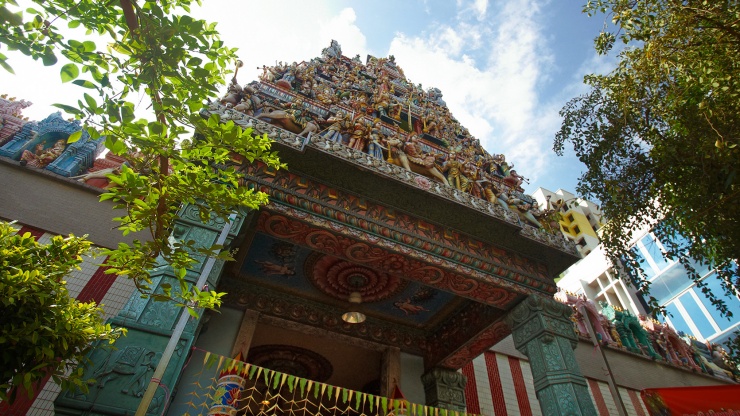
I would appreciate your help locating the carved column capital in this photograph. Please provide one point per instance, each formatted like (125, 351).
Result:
(445, 389)
(543, 331)
(539, 316)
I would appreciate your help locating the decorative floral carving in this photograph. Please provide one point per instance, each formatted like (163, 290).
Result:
(462, 281)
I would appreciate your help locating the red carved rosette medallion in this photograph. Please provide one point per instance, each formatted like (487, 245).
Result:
(338, 278)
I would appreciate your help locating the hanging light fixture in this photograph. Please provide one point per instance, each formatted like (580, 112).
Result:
(354, 316)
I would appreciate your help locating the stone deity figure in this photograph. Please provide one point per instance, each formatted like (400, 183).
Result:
(523, 209)
(375, 147)
(42, 157)
(326, 95)
(359, 134)
(382, 103)
(514, 179)
(494, 194)
(297, 113)
(430, 122)
(416, 155)
(454, 167)
(472, 172)
(341, 124)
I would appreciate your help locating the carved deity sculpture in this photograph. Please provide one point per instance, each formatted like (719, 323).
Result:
(375, 145)
(454, 169)
(341, 124)
(523, 209)
(41, 157)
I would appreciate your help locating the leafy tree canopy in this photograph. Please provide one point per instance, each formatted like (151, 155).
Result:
(154, 49)
(43, 331)
(659, 134)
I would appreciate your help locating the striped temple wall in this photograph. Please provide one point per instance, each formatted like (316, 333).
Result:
(501, 385)
(90, 283)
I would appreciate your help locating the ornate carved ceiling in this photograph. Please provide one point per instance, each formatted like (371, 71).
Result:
(303, 261)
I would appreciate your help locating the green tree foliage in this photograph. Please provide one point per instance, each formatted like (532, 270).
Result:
(154, 49)
(659, 134)
(43, 331)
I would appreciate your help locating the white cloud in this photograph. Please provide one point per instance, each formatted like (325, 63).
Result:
(489, 72)
(287, 31)
(476, 8)
(481, 6)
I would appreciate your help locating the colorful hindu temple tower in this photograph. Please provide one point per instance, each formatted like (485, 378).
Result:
(394, 254)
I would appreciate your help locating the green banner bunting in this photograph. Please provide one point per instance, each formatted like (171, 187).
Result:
(265, 392)
(290, 381)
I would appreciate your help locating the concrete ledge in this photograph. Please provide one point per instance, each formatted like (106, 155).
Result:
(59, 205)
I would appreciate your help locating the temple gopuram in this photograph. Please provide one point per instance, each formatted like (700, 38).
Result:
(399, 268)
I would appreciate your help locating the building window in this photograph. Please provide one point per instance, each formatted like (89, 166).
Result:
(677, 319)
(732, 302)
(570, 218)
(655, 251)
(576, 230)
(697, 315)
(644, 265)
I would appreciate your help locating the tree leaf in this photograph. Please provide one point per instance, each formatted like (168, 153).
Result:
(74, 137)
(69, 72)
(84, 83)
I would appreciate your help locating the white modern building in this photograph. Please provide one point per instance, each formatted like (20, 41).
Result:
(690, 311)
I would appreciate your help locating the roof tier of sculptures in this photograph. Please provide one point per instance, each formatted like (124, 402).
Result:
(367, 113)
(374, 109)
(616, 328)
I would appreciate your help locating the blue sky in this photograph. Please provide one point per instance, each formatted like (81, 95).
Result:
(505, 67)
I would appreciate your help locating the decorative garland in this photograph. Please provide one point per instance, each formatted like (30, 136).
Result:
(240, 388)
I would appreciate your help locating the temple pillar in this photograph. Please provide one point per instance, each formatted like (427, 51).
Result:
(121, 375)
(246, 333)
(445, 389)
(390, 373)
(544, 333)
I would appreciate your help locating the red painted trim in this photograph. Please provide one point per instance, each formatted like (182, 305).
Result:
(471, 389)
(636, 402)
(35, 232)
(598, 397)
(519, 387)
(22, 403)
(98, 285)
(497, 390)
